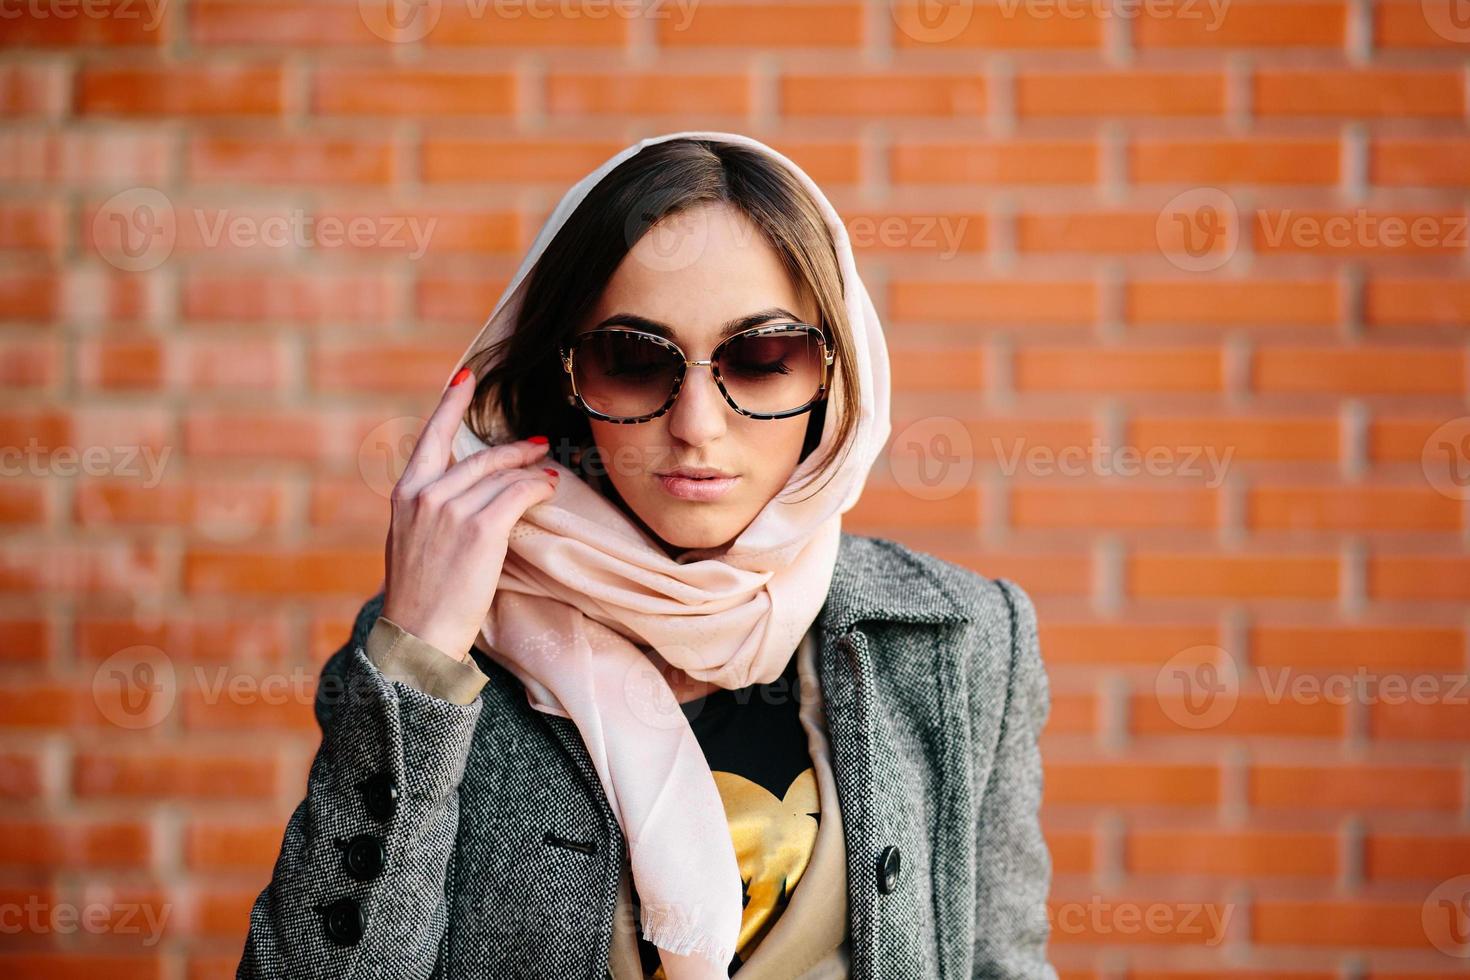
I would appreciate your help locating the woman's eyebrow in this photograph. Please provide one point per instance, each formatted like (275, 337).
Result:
(733, 327)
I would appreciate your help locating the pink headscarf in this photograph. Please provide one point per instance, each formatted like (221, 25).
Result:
(583, 587)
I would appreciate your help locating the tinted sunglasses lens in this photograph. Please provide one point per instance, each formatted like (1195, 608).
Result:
(772, 373)
(624, 375)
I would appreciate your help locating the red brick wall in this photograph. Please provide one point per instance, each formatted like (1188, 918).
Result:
(1177, 300)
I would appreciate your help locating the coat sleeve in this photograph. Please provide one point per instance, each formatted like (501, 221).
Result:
(359, 887)
(1013, 864)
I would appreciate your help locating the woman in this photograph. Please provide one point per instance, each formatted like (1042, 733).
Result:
(638, 707)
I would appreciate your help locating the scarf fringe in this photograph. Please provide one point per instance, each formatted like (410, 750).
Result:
(682, 936)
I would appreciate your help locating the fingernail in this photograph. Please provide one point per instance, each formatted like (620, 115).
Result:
(459, 376)
(539, 440)
(549, 471)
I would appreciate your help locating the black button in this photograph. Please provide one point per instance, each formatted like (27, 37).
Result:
(363, 856)
(380, 793)
(888, 868)
(344, 921)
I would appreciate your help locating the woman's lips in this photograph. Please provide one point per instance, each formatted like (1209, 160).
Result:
(703, 490)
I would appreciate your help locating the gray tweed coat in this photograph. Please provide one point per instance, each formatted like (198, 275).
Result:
(440, 840)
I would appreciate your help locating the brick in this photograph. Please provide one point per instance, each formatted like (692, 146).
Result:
(216, 90)
(75, 844)
(1366, 93)
(896, 508)
(277, 24)
(198, 774)
(1361, 370)
(195, 637)
(648, 94)
(1231, 853)
(1088, 233)
(1358, 924)
(314, 299)
(1388, 856)
(994, 302)
(1265, 160)
(290, 161)
(1354, 787)
(1421, 707)
(24, 641)
(1118, 370)
(1176, 575)
(1358, 232)
(1350, 508)
(1122, 506)
(1272, 303)
(355, 367)
(793, 24)
(1425, 162)
(28, 296)
(29, 363)
(282, 572)
(1423, 578)
(455, 159)
(1426, 25)
(234, 845)
(1244, 438)
(885, 94)
(32, 89)
(1135, 783)
(1252, 714)
(76, 965)
(97, 24)
(994, 26)
(1365, 646)
(995, 162)
(412, 93)
(1393, 302)
(411, 233)
(1245, 25)
(960, 369)
(1120, 644)
(1119, 94)
(564, 25)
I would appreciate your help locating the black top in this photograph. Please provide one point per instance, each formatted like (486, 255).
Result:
(757, 749)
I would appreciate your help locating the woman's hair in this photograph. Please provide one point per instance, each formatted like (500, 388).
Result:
(526, 383)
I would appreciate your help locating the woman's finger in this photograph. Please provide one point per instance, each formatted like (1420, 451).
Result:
(431, 453)
(466, 471)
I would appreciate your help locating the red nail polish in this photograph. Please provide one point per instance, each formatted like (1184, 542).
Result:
(459, 376)
(539, 440)
(549, 471)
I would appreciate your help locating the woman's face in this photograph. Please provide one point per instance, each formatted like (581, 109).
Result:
(694, 273)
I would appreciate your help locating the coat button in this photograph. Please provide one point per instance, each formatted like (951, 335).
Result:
(344, 921)
(364, 856)
(888, 868)
(380, 794)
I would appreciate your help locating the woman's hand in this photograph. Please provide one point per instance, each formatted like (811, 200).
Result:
(449, 531)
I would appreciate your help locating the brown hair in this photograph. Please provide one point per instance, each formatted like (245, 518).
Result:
(527, 386)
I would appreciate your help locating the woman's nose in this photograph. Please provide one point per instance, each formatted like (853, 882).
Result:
(699, 412)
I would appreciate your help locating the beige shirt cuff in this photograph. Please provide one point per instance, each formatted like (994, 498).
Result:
(401, 656)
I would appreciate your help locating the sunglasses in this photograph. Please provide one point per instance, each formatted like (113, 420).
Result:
(627, 376)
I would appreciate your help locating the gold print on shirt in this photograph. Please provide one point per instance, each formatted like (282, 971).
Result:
(773, 844)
